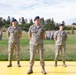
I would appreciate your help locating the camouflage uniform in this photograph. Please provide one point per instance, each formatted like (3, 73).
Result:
(14, 41)
(36, 43)
(61, 37)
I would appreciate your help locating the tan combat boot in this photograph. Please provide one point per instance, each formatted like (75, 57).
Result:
(10, 64)
(30, 70)
(55, 64)
(18, 64)
(43, 70)
(64, 64)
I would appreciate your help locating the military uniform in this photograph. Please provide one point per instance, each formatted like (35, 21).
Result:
(14, 41)
(36, 35)
(36, 43)
(61, 37)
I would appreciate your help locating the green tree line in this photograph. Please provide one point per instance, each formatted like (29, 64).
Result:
(49, 24)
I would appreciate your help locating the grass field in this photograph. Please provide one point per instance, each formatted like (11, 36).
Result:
(49, 47)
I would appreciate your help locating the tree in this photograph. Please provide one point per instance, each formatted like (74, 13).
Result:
(8, 20)
(31, 21)
(1, 21)
(42, 21)
(73, 23)
(23, 20)
(52, 24)
(48, 24)
(56, 26)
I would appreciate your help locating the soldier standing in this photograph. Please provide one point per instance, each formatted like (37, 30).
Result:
(60, 38)
(0, 34)
(14, 34)
(36, 35)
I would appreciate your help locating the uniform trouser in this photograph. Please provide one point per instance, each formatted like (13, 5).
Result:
(11, 48)
(59, 48)
(33, 49)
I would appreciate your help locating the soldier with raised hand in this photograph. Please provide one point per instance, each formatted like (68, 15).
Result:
(14, 34)
(60, 38)
(36, 35)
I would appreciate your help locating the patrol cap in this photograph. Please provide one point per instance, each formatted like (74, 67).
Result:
(61, 25)
(37, 17)
(13, 19)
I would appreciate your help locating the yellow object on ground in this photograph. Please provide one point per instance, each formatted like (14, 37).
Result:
(49, 66)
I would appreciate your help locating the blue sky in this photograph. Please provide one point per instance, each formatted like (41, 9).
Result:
(58, 9)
